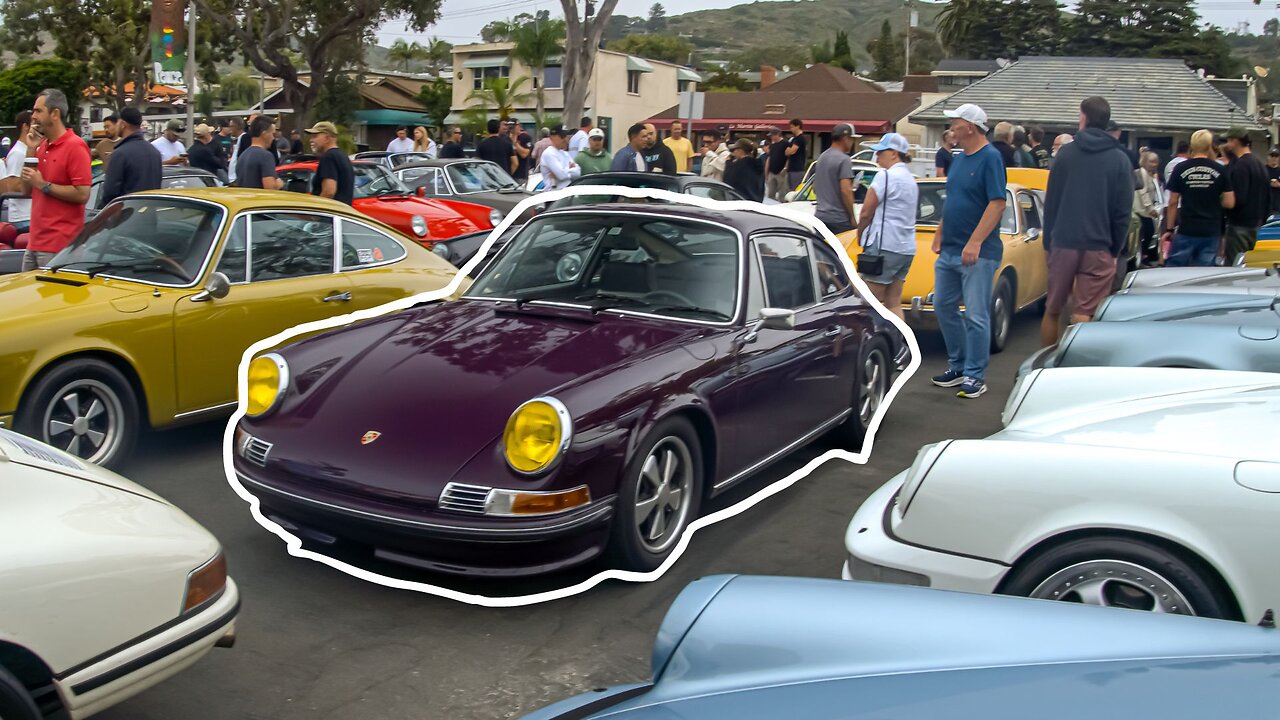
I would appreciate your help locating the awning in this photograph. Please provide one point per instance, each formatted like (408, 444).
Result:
(384, 116)
(486, 61)
(638, 65)
(757, 125)
(526, 119)
(687, 74)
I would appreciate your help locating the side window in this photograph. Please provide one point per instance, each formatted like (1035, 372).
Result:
(235, 262)
(95, 196)
(831, 276)
(1009, 221)
(707, 191)
(298, 181)
(290, 245)
(1030, 211)
(788, 278)
(362, 246)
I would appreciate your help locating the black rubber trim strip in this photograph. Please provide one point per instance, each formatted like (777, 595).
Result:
(888, 531)
(591, 708)
(141, 638)
(134, 665)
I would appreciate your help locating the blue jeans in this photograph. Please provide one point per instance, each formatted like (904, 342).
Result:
(1193, 251)
(967, 335)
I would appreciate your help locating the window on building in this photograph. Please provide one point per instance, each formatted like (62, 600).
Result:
(682, 86)
(489, 73)
(552, 77)
(633, 82)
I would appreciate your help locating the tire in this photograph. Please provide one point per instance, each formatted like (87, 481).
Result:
(869, 389)
(101, 433)
(1002, 310)
(15, 701)
(632, 545)
(1119, 572)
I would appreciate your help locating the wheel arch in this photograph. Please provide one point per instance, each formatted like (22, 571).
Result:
(1011, 273)
(1184, 553)
(119, 362)
(704, 427)
(33, 673)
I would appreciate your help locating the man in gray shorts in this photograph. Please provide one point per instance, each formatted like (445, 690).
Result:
(833, 182)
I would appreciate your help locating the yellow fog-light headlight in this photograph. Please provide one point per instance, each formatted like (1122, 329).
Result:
(268, 378)
(537, 434)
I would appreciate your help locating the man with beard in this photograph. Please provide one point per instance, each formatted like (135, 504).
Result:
(657, 156)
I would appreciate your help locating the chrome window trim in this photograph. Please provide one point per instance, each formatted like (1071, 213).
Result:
(444, 171)
(367, 226)
(813, 270)
(249, 242)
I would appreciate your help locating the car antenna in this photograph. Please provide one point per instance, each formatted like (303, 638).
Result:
(1268, 619)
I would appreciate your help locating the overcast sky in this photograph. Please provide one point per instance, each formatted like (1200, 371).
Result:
(461, 20)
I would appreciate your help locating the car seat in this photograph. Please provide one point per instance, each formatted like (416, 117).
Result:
(627, 277)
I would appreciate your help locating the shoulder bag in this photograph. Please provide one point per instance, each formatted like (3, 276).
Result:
(873, 265)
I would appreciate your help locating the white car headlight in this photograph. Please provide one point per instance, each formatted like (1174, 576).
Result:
(925, 460)
(442, 250)
(419, 225)
(1020, 390)
(495, 217)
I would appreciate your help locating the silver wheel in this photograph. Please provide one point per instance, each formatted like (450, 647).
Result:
(663, 494)
(875, 381)
(1114, 583)
(84, 419)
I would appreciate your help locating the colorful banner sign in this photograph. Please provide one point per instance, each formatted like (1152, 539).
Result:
(168, 41)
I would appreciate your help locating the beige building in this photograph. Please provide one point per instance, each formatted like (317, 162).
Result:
(623, 89)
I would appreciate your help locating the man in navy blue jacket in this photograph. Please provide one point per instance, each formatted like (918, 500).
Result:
(135, 163)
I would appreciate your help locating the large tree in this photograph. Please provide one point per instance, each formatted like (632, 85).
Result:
(887, 52)
(1149, 28)
(1032, 27)
(667, 48)
(403, 54)
(972, 28)
(842, 53)
(582, 40)
(329, 35)
(536, 45)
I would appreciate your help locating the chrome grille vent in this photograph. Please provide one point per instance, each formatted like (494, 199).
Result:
(464, 498)
(34, 449)
(256, 451)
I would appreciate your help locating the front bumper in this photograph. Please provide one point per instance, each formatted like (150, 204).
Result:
(875, 554)
(472, 545)
(105, 681)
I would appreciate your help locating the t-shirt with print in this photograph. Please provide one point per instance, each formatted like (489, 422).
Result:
(832, 167)
(974, 182)
(253, 166)
(19, 210)
(1200, 183)
(797, 160)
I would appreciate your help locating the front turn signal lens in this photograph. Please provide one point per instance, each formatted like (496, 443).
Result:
(268, 377)
(536, 434)
(515, 502)
(206, 582)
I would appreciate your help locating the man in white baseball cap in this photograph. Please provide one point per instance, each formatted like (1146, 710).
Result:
(970, 113)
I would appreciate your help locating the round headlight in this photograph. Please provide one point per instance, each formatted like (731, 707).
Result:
(268, 379)
(495, 217)
(442, 250)
(537, 434)
(419, 225)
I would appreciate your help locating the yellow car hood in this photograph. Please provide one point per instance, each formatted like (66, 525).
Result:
(33, 295)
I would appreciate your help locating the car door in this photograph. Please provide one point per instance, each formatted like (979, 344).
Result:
(1033, 274)
(374, 263)
(282, 266)
(789, 382)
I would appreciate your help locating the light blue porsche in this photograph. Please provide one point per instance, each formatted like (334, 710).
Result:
(741, 647)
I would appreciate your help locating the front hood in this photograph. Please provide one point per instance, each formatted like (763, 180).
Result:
(35, 294)
(1207, 307)
(1199, 278)
(504, 201)
(22, 450)
(438, 383)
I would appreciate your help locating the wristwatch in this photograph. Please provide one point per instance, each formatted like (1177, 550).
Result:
(46, 188)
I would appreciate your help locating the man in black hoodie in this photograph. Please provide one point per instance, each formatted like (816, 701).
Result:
(1086, 218)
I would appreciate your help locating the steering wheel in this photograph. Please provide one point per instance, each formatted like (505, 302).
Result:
(671, 294)
(145, 248)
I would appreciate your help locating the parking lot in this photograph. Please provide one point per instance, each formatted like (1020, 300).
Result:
(315, 643)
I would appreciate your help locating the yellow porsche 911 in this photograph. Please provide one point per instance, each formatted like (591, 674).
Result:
(142, 320)
(1022, 277)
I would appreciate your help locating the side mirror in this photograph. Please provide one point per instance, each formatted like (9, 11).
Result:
(421, 191)
(1033, 234)
(791, 196)
(216, 288)
(777, 319)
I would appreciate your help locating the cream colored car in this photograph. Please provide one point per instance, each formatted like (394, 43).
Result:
(105, 588)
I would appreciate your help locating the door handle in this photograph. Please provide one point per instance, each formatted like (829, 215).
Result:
(832, 332)
(342, 296)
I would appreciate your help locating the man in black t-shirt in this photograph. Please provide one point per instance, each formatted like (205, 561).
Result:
(1273, 172)
(452, 149)
(1199, 189)
(496, 148)
(797, 155)
(1252, 186)
(657, 156)
(334, 178)
(255, 166)
(775, 168)
(522, 146)
(1039, 152)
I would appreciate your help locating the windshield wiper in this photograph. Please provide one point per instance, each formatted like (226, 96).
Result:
(135, 265)
(693, 309)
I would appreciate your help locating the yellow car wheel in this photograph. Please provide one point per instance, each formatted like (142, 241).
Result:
(84, 407)
(1002, 309)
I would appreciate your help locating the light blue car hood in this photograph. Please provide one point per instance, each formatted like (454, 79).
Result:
(1227, 308)
(802, 648)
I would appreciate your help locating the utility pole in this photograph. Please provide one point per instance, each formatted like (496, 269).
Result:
(191, 72)
(913, 19)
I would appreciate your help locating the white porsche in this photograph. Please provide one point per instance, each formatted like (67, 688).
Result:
(1143, 488)
(105, 588)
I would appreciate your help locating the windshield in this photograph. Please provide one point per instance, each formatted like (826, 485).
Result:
(373, 181)
(160, 241)
(473, 177)
(637, 263)
(657, 182)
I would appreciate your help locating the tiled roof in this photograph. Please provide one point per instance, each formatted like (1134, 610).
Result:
(842, 106)
(385, 97)
(1145, 94)
(822, 78)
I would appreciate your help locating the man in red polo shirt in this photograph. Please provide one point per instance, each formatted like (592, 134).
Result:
(59, 185)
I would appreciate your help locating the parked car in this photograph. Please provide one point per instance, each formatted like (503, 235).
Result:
(805, 198)
(1195, 330)
(173, 177)
(107, 589)
(143, 319)
(1214, 280)
(381, 196)
(460, 250)
(1261, 258)
(752, 648)
(474, 181)
(614, 367)
(1143, 488)
(389, 160)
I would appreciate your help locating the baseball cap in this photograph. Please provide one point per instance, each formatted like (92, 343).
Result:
(595, 133)
(1238, 132)
(745, 145)
(970, 113)
(324, 127)
(773, 131)
(203, 129)
(131, 116)
(843, 130)
(892, 141)
(559, 131)
(176, 126)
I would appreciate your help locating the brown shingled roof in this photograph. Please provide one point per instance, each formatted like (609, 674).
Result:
(782, 106)
(385, 97)
(822, 78)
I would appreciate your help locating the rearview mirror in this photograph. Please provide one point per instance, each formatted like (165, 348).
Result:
(217, 287)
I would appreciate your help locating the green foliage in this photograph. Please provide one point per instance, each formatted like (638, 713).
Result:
(657, 19)
(205, 103)
(724, 80)
(926, 51)
(436, 97)
(501, 96)
(238, 90)
(841, 53)
(1271, 28)
(402, 54)
(887, 54)
(667, 48)
(338, 99)
(20, 84)
(505, 30)
(821, 53)
(779, 56)
(1149, 28)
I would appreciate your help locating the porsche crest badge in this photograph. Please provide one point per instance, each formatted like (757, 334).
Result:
(370, 437)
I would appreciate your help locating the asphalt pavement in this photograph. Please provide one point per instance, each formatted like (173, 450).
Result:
(317, 644)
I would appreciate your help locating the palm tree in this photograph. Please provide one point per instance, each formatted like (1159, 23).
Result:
(438, 53)
(957, 20)
(536, 44)
(501, 95)
(403, 53)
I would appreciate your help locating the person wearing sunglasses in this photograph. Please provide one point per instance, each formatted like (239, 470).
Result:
(452, 148)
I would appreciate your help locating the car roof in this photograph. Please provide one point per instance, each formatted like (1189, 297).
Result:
(437, 162)
(1012, 186)
(678, 180)
(745, 221)
(237, 199)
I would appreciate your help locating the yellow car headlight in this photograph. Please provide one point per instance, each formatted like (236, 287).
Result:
(537, 434)
(268, 379)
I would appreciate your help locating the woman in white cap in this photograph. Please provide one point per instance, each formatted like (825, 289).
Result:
(887, 222)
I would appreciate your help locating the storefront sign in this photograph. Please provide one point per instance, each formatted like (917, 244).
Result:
(168, 41)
